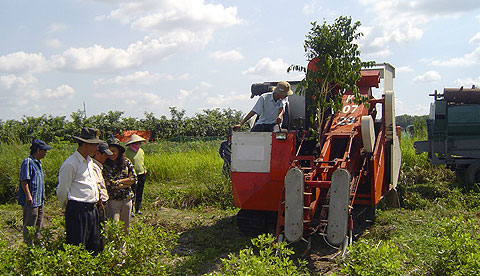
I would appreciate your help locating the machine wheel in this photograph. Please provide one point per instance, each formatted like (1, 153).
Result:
(472, 174)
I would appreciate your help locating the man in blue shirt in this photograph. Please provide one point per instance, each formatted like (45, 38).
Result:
(31, 193)
(269, 107)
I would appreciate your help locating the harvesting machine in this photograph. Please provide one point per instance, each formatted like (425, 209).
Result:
(299, 187)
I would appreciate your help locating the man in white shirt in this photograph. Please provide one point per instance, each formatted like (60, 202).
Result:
(269, 107)
(78, 192)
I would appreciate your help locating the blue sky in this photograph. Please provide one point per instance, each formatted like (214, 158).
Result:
(149, 55)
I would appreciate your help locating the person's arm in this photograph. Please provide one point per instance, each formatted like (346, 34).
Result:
(281, 110)
(65, 178)
(28, 196)
(249, 115)
(132, 177)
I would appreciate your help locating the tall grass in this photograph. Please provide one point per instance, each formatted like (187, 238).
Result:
(179, 174)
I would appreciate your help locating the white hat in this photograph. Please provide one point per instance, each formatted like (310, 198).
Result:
(135, 138)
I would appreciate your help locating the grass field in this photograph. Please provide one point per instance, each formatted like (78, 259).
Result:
(188, 227)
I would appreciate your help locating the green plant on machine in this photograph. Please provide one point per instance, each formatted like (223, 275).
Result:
(272, 259)
(336, 67)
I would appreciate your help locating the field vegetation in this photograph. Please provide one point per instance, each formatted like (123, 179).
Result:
(188, 226)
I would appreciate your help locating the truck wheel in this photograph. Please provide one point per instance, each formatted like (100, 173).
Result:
(472, 175)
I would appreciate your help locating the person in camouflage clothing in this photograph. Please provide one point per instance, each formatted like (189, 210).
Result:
(119, 175)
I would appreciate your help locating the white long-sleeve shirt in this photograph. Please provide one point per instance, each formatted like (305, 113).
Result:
(102, 188)
(77, 181)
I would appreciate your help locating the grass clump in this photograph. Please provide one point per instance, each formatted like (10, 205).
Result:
(272, 259)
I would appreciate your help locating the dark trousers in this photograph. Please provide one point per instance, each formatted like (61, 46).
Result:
(226, 168)
(139, 191)
(262, 128)
(32, 216)
(82, 225)
(102, 218)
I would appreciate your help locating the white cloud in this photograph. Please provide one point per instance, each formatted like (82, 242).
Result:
(268, 68)
(430, 76)
(223, 100)
(185, 76)
(98, 58)
(132, 98)
(53, 43)
(10, 81)
(229, 55)
(168, 15)
(56, 28)
(475, 39)
(415, 109)
(403, 69)
(402, 21)
(205, 84)
(62, 92)
(310, 7)
(139, 77)
(472, 58)
(468, 82)
(21, 62)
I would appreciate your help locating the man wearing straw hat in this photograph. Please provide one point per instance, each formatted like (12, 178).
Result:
(78, 192)
(269, 107)
(137, 156)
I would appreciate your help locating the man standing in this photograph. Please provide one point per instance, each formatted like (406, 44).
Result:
(269, 107)
(31, 193)
(98, 159)
(225, 152)
(78, 192)
(135, 153)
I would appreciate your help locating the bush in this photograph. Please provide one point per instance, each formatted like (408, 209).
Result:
(272, 259)
(147, 251)
(368, 257)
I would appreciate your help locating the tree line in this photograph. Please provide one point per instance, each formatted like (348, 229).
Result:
(209, 123)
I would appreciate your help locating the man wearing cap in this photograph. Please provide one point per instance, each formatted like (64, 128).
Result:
(135, 154)
(269, 107)
(78, 192)
(31, 193)
(99, 158)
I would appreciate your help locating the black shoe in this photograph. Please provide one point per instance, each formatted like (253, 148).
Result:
(133, 214)
(138, 212)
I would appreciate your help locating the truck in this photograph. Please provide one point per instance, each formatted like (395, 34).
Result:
(297, 187)
(453, 132)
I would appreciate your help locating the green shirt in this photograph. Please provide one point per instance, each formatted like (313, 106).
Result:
(137, 158)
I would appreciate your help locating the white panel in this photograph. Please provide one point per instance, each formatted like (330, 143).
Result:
(368, 133)
(294, 187)
(396, 161)
(390, 114)
(251, 151)
(254, 153)
(338, 207)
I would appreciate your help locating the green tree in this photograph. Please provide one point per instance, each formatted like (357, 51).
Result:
(334, 68)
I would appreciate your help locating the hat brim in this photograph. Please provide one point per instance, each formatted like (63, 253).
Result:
(288, 93)
(46, 147)
(89, 141)
(135, 140)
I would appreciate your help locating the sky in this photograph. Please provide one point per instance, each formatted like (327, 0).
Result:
(140, 56)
